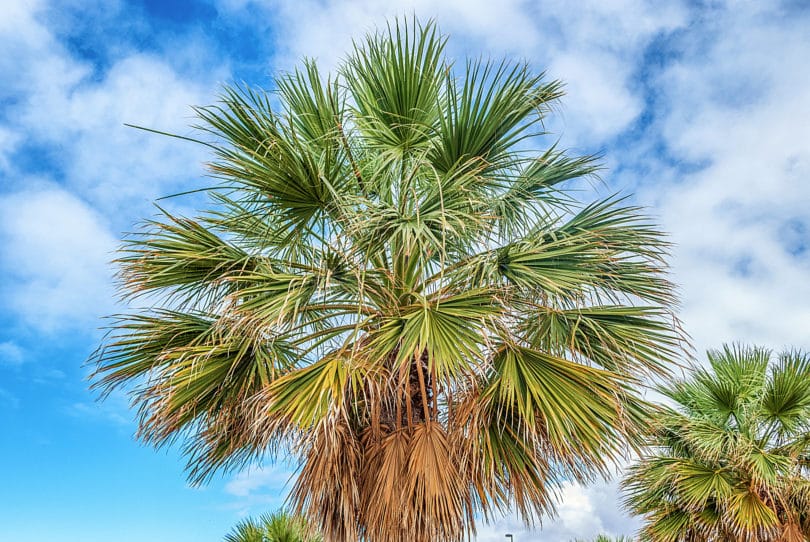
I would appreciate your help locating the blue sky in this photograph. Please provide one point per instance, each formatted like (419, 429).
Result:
(702, 110)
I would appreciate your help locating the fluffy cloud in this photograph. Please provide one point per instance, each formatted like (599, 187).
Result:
(8, 144)
(259, 489)
(104, 164)
(740, 222)
(569, 40)
(74, 114)
(54, 254)
(68, 125)
(112, 164)
(583, 512)
(253, 481)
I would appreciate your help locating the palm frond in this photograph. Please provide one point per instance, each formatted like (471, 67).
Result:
(488, 112)
(394, 77)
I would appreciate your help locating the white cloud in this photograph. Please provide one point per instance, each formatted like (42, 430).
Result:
(259, 489)
(325, 30)
(109, 163)
(32, 55)
(19, 25)
(592, 46)
(77, 115)
(9, 141)
(617, 25)
(11, 354)
(58, 240)
(741, 223)
(597, 104)
(55, 253)
(582, 512)
(257, 480)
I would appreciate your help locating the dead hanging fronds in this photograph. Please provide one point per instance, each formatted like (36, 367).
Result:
(328, 486)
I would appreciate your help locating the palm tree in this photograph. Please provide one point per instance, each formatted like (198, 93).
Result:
(606, 538)
(392, 287)
(730, 461)
(277, 527)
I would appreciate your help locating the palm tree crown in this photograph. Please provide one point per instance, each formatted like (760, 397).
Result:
(394, 287)
(730, 461)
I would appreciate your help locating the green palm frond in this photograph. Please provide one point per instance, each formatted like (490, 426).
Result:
(388, 280)
(611, 336)
(488, 112)
(317, 108)
(395, 77)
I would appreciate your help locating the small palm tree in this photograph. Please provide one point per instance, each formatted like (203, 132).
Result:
(277, 527)
(606, 538)
(395, 288)
(731, 460)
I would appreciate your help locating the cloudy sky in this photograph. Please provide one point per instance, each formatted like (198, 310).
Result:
(701, 108)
